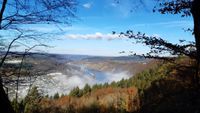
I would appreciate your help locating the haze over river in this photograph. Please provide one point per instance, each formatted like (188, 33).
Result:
(74, 74)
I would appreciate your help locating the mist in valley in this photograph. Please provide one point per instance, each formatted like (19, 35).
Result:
(71, 71)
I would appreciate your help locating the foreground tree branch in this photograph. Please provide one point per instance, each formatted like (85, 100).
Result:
(158, 46)
(185, 8)
(14, 13)
(26, 52)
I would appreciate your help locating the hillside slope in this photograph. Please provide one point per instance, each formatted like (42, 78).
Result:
(167, 88)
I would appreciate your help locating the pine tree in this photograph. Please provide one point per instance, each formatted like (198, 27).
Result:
(31, 101)
(86, 89)
(76, 92)
(56, 96)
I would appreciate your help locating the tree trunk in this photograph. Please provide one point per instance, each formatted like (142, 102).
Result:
(4, 101)
(196, 18)
(5, 105)
(3, 7)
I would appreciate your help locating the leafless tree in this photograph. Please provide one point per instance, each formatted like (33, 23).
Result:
(26, 53)
(14, 13)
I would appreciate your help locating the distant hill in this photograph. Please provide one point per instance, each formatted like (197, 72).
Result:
(119, 58)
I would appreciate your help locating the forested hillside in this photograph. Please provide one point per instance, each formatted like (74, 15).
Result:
(165, 88)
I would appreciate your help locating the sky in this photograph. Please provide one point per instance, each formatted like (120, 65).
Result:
(91, 32)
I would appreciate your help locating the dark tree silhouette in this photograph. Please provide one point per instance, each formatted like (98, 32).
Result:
(159, 46)
(14, 13)
(195, 10)
(185, 8)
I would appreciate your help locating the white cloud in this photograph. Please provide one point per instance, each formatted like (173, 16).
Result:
(182, 23)
(156, 35)
(113, 4)
(97, 35)
(87, 5)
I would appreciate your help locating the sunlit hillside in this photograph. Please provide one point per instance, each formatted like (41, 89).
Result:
(99, 56)
(165, 88)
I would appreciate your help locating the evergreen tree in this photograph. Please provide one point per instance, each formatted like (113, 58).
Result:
(31, 101)
(56, 96)
(15, 105)
(76, 92)
(86, 89)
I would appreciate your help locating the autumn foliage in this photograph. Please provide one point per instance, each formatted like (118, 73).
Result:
(103, 99)
(165, 88)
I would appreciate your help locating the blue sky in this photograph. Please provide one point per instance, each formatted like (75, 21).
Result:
(91, 32)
